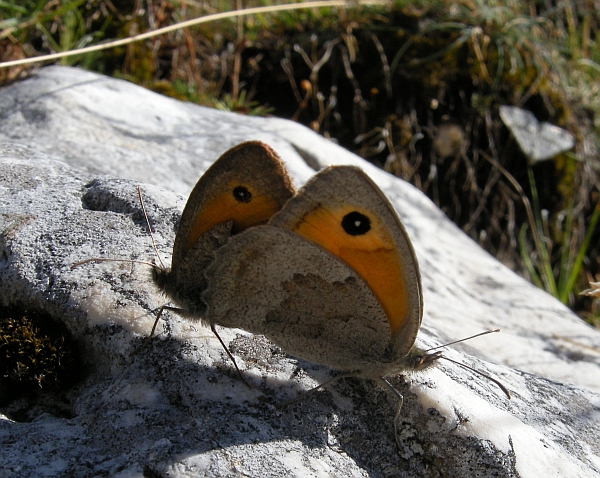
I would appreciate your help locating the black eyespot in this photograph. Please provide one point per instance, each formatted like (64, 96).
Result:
(356, 224)
(241, 194)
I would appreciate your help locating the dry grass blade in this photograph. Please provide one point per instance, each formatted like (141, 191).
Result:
(193, 22)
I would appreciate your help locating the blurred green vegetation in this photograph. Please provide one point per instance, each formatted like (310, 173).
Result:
(414, 87)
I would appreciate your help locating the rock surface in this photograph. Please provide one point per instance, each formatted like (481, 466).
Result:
(73, 148)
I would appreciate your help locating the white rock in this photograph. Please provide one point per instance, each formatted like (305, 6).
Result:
(539, 141)
(177, 408)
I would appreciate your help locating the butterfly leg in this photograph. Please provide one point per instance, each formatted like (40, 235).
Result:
(400, 401)
(212, 327)
(158, 316)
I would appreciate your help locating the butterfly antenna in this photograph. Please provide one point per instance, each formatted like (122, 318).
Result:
(463, 340)
(497, 382)
(139, 190)
(108, 259)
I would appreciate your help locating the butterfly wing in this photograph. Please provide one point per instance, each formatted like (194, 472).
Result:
(243, 188)
(342, 210)
(246, 185)
(271, 281)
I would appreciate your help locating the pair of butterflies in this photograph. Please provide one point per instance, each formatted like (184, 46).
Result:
(327, 273)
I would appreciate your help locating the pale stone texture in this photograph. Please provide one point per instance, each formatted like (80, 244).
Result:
(73, 148)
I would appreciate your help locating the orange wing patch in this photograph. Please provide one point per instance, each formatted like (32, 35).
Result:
(371, 255)
(226, 207)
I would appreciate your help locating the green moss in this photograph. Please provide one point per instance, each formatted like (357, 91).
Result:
(35, 353)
